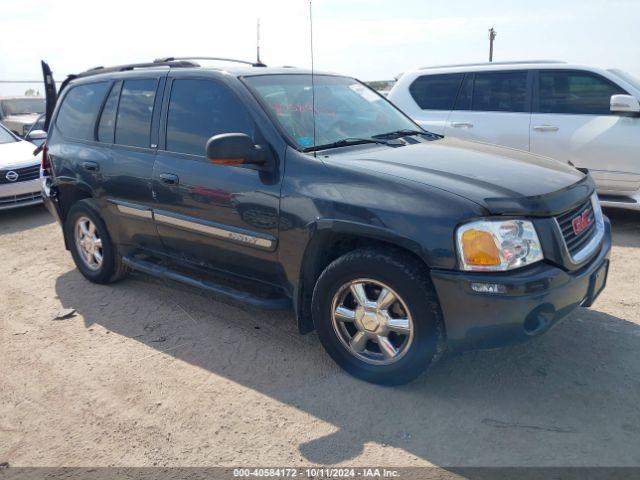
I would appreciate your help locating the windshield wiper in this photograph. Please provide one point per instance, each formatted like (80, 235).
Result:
(402, 133)
(345, 142)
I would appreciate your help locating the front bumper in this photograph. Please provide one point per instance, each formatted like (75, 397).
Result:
(20, 194)
(536, 297)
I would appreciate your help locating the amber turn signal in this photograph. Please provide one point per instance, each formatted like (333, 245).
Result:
(227, 161)
(479, 248)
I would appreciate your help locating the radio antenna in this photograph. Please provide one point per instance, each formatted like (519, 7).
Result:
(313, 86)
(258, 43)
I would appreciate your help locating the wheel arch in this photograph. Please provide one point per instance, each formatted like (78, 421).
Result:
(69, 193)
(329, 240)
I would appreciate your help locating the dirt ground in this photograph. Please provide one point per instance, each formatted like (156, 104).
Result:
(153, 373)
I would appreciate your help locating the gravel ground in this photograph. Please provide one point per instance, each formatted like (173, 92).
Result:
(154, 373)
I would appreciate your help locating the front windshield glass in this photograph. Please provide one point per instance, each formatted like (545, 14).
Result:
(345, 109)
(627, 77)
(6, 137)
(22, 106)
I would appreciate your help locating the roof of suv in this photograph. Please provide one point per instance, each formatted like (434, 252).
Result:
(236, 68)
(489, 66)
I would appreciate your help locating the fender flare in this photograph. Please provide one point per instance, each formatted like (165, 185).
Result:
(320, 232)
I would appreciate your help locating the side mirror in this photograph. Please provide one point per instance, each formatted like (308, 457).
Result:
(625, 104)
(236, 149)
(36, 135)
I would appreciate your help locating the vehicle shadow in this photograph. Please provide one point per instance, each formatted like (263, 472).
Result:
(567, 398)
(25, 218)
(625, 226)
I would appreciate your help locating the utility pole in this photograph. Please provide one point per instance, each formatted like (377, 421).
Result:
(492, 37)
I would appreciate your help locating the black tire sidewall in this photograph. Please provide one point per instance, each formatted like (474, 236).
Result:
(411, 283)
(104, 274)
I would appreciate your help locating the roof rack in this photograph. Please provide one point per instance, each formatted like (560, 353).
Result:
(133, 66)
(517, 62)
(220, 59)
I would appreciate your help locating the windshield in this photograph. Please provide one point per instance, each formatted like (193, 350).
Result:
(627, 77)
(345, 109)
(6, 137)
(22, 106)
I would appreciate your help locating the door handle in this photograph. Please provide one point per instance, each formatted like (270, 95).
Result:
(169, 179)
(90, 166)
(462, 124)
(545, 128)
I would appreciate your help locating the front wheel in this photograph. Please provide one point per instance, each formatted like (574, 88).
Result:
(377, 315)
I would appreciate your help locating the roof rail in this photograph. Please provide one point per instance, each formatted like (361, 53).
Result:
(517, 62)
(132, 66)
(220, 59)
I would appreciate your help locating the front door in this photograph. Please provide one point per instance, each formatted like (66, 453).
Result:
(217, 216)
(493, 107)
(572, 122)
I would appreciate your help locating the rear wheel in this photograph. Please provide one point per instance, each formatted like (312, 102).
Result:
(377, 316)
(91, 248)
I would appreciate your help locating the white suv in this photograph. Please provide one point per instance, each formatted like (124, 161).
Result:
(582, 115)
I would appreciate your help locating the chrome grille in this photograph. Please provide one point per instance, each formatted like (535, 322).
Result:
(17, 200)
(24, 174)
(581, 245)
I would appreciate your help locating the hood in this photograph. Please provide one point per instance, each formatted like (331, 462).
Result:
(17, 155)
(502, 180)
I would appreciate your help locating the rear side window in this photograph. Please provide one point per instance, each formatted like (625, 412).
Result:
(133, 123)
(436, 92)
(200, 109)
(78, 112)
(106, 127)
(500, 91)
(575, 92)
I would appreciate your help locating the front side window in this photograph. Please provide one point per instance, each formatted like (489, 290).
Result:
(200, 109)
(500, 91)
(572, 92)
(436, 92)
(133, 123)
(344, 108)
(79, 109)
(22, 106)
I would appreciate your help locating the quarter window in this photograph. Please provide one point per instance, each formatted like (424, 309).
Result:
(500, 91)
(575, 92)
(436, 92)
(133, 124)
(77, 116)
(200, 109)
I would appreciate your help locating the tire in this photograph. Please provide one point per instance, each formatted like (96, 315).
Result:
(416, 306)
(111, 268)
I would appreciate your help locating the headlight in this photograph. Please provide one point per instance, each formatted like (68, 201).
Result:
(498, 245)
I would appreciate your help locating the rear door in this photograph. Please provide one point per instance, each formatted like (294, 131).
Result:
(220, 217)
(572, 122)
(434, 96)
(128, 128)
(493, 107)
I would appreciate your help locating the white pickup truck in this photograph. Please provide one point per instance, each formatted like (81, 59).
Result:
(19, 113)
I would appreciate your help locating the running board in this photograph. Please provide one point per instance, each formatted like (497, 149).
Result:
(161, 271)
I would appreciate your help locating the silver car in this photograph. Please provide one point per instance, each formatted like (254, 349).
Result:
(19, 172)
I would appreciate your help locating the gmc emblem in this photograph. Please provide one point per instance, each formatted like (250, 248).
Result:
(581, 222)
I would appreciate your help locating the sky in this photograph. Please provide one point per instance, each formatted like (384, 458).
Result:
(371, 40)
